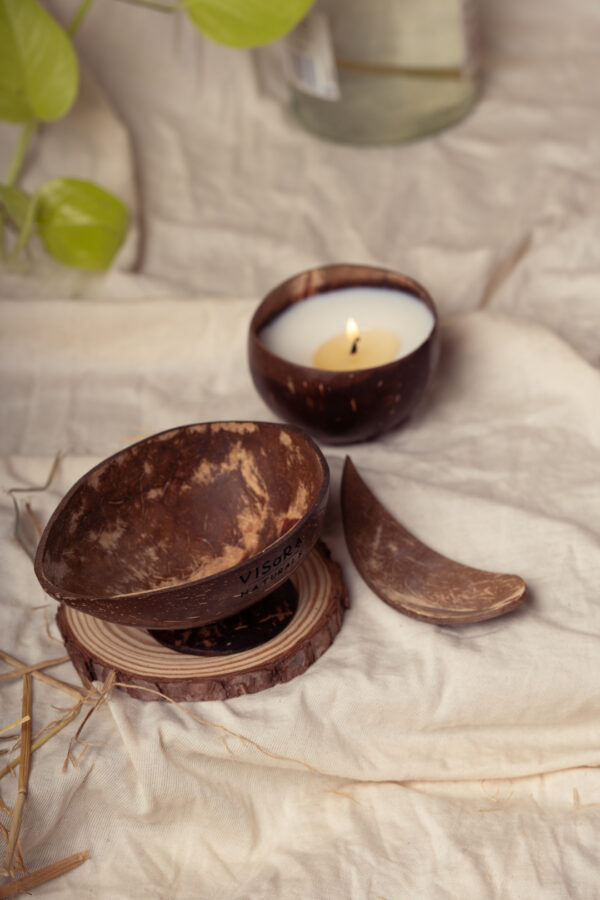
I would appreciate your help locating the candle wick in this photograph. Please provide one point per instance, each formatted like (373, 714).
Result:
(354, 347)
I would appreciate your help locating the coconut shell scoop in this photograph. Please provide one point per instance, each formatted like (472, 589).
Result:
(412, 577)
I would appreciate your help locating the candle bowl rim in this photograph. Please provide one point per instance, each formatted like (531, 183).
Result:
(154, 595)
(334, 405)
(420, 293)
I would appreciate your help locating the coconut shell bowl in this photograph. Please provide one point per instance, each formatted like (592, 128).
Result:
(340, 407)
(191, 561)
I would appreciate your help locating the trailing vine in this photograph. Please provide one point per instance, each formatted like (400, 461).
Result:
(78, 222)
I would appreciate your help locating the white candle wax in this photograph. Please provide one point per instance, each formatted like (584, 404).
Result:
(301, 329)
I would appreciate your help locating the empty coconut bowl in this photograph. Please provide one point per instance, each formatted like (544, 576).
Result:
(188, 526)
(340, 407)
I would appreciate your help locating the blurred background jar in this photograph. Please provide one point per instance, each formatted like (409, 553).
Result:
(383, 71)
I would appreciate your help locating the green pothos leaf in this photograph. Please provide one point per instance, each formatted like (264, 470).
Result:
(15, 202)
(80, 224)
(38, 66)
(246, 23)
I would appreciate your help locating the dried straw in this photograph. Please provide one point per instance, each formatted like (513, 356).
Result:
(14, 725)
(24, 764)
(34, 519)
(101, 698)
(34, 879)
(31, 514)
(246, 740)
(42, 740)
(49, 634)
(18, 864)
(76, 692)
(24, 670)
(35, 671)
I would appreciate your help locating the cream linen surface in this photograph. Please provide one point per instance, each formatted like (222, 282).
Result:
(430, 742)
(411, 761)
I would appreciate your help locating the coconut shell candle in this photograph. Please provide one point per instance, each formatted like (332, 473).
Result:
(344, 351)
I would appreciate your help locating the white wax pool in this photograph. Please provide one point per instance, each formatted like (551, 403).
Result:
(303, 327)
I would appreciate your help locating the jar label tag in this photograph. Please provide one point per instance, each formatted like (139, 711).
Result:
(310, 60)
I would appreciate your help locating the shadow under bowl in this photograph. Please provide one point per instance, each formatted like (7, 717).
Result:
(188, 526)
(340, 407)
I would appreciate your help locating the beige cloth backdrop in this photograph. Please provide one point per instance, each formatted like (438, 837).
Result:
(411, 761)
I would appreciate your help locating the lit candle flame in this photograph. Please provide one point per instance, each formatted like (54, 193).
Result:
(353, 335)
(352, 330)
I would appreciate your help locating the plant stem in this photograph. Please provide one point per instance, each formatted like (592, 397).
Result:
(19, 155)
(78, 17)
(158, 5)
(26, 228)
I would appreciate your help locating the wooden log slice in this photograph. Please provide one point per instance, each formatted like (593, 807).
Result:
(98, 647)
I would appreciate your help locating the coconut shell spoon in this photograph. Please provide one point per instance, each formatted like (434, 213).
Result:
(411, 577)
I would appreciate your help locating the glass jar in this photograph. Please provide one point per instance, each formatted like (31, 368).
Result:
(384, 71)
